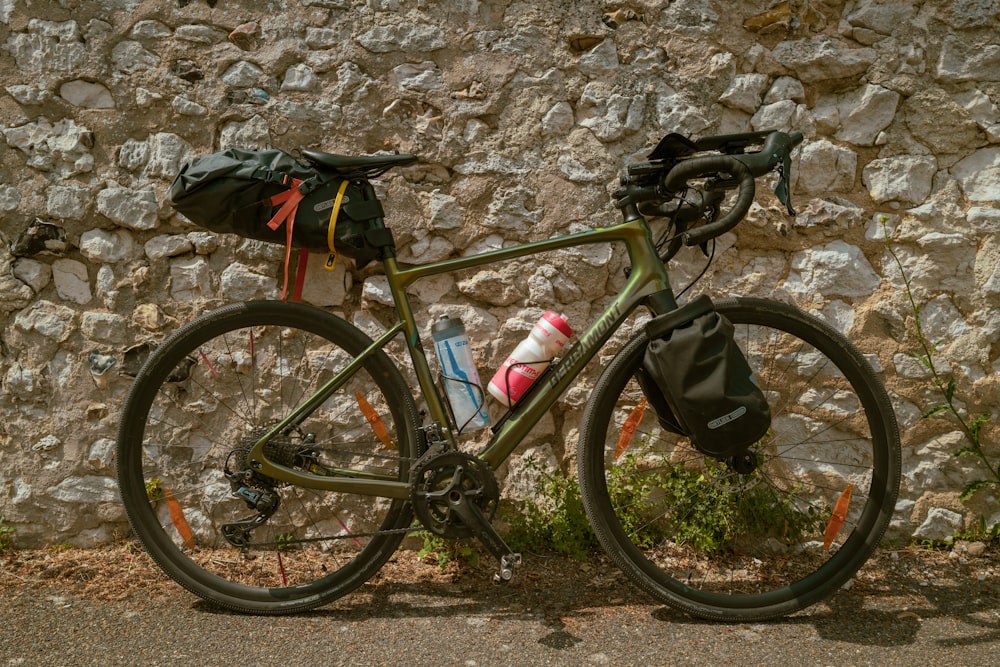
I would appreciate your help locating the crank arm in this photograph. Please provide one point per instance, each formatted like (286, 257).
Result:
(480, 526)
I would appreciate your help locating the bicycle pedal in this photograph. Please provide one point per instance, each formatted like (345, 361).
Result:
(507, 565)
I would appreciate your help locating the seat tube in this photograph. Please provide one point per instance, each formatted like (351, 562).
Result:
(425, 378)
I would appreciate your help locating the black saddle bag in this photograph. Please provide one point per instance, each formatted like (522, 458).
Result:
(240, 191)
(699, 383)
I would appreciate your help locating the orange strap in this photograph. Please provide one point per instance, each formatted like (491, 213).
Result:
(300, 274)
(289, 201)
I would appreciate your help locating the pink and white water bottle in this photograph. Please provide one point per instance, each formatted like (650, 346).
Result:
(530, 358)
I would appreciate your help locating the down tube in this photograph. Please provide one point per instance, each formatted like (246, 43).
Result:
(561, 375)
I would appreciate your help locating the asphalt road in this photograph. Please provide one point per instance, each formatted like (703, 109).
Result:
(595, 619)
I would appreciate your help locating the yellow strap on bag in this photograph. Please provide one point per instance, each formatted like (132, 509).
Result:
(331, 260)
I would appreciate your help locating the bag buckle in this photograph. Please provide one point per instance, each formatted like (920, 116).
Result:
(307, 186)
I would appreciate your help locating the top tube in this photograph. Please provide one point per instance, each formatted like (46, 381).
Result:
(634, 233)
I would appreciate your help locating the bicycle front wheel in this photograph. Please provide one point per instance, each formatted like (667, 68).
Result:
(781, 531)
(219, 527)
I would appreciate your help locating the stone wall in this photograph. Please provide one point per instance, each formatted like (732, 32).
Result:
(523, 114)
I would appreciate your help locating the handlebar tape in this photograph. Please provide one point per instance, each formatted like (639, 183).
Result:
(777, 148)
(708, 165)
(742, 168)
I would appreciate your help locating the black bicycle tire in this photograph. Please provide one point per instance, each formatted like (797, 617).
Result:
(141, 516)
(804, 592)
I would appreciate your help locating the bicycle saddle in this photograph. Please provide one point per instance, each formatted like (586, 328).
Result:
(352, 163)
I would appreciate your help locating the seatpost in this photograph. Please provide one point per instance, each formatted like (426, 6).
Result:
(379, 236)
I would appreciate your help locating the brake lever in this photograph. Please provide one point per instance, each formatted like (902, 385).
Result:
(783, 190)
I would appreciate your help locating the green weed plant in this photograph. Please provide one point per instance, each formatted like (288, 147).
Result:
(944, 383)
(445, 551)
(554, 520)
(706, 507)
(6, 535)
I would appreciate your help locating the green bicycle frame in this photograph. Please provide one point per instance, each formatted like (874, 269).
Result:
(647, 280)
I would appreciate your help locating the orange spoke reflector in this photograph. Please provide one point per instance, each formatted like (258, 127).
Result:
(374, 419)
(177, 516)
(839, 516)
(208, 363)
(628, 428)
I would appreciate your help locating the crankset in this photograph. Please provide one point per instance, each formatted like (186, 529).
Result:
(455, 495)
(445, 478)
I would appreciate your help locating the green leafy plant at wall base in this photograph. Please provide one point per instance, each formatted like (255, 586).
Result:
(6, 532)
(553, 521)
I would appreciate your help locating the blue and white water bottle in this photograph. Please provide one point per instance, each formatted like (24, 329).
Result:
(461, 379)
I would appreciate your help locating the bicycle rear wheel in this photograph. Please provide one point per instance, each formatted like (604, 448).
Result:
(746, 546)
(223, 530)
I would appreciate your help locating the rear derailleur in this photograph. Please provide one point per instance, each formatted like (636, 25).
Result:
(258, 491)
(259, 496)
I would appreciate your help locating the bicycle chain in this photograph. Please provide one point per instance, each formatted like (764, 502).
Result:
(437, 448)
(308, 540)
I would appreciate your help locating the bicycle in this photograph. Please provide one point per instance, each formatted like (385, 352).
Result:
(271, 456)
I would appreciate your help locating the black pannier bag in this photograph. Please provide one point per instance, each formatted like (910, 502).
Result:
(699, 383)
(239, 191)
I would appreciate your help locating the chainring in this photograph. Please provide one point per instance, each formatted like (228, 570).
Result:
(452, 473)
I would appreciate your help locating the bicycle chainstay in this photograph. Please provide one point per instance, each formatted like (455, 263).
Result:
(453, 494)
(262, 493)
